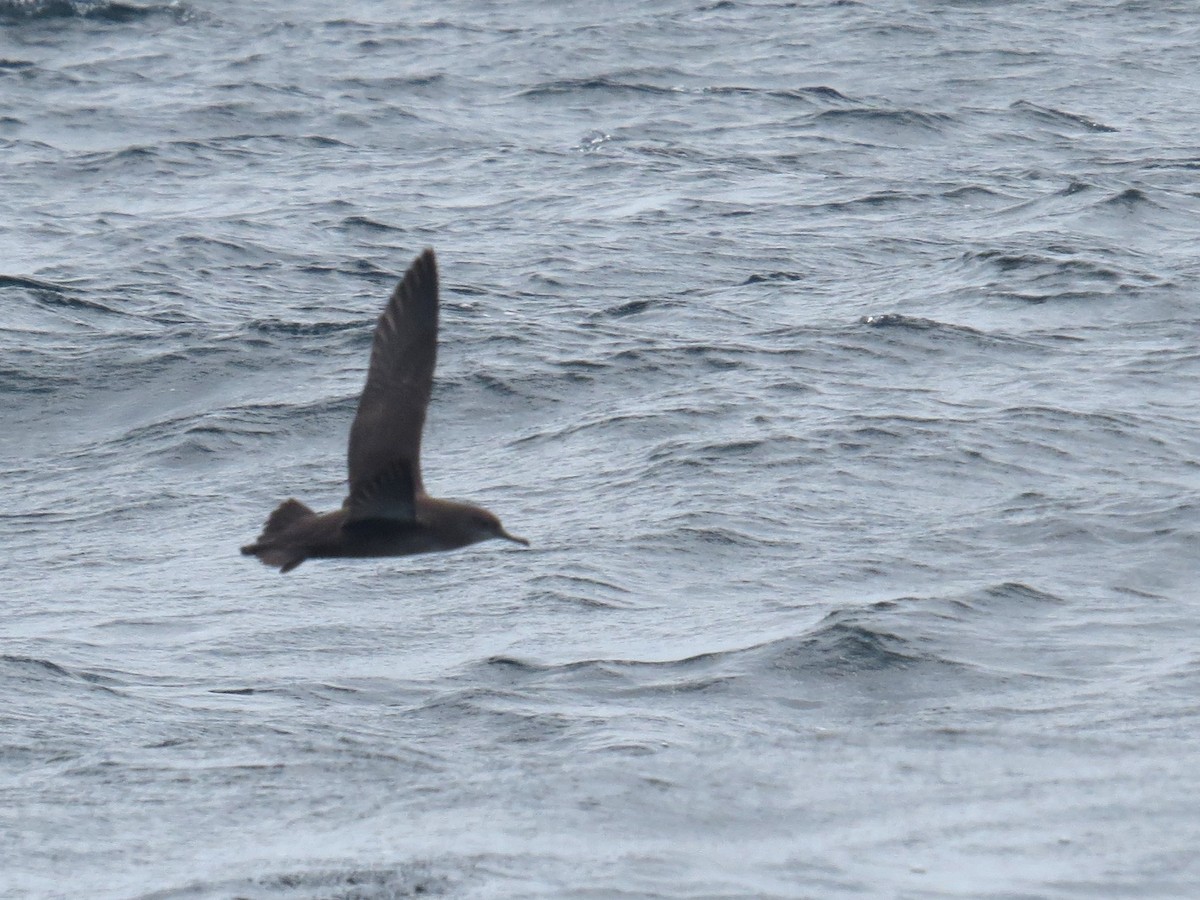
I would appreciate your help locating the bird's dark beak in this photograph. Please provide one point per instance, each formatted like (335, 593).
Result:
(510, 537)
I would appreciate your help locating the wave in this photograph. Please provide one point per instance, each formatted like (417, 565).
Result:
(1052, 116)
(909, 645)
(901, 119)
(36, 668)
(818, 92)
(218, 431)
(17, 11)
(1055, 271)
(368, 224)
(773, 277)
(600, 83)
(31, 283)
(1131, 200)
(51, 295)
(417, 879)
(844, 643)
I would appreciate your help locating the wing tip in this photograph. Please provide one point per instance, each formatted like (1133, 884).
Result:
(425, 265)
(421, 277)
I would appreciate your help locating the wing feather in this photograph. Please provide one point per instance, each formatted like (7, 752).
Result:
(385, 439)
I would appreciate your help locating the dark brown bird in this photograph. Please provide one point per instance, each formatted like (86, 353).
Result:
(387, 512)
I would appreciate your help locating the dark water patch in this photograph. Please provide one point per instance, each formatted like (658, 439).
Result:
(633, 361)
(470, 27)
(486, 716)
(200, 441)
(1053, 416)
(321, 691)
(170, 158)
(368, 224)
(36, 667)
(599, 84)
(734, 448)
(915, 323)
(26, 145)
(828, 93)
(1075, 186)
(191, 437)
(632, 423)
(302, 329)
(395, 84)
(842, 646)
(943, 336)
(875, 200)
(895, 120)
(18, 380)
(59, 297)
(126, 158)
(263, 145)
(41, 518)
(845, 643)
(684, 456)
(7, 281)
(523, 667)
(14, 64)
(722, 536)
(806, 94)
(632, 308)
(18, 11)
(1014, 592)
(975, 192)
(730, 458)
(416, 879)
(800, 343)
(773, 277)
(1186, 164)
(1066, 425)
(322, 140)
(214, 247)
(1058, 117)
(583, 589)
(121, 13)
(623, 676)
(374, 45)
(33, 663)
(1130, 200)
(359, 268)
(1063, 273)
(507, 386)
(880, 436)
(664, 151)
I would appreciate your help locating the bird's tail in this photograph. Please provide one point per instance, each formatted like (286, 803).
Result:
(272, 547)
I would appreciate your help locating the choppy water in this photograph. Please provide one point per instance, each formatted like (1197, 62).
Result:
(840, 360)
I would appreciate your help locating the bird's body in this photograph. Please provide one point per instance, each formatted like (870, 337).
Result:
(387, 512)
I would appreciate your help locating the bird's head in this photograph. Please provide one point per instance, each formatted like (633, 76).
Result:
(483, 526)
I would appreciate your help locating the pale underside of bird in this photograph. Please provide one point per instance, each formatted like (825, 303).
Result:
(387, 512)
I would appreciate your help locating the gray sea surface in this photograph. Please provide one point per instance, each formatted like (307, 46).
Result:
(839, 359)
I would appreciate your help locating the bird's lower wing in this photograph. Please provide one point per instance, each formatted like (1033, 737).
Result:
(391, 495)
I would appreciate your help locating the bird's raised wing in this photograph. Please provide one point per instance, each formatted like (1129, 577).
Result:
(385, 439)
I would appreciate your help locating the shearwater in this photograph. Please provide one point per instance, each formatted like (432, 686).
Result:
(387, 512)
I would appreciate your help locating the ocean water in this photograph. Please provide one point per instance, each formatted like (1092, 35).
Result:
(838, 358)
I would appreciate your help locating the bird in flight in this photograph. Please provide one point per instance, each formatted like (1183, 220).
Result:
(387, 512)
